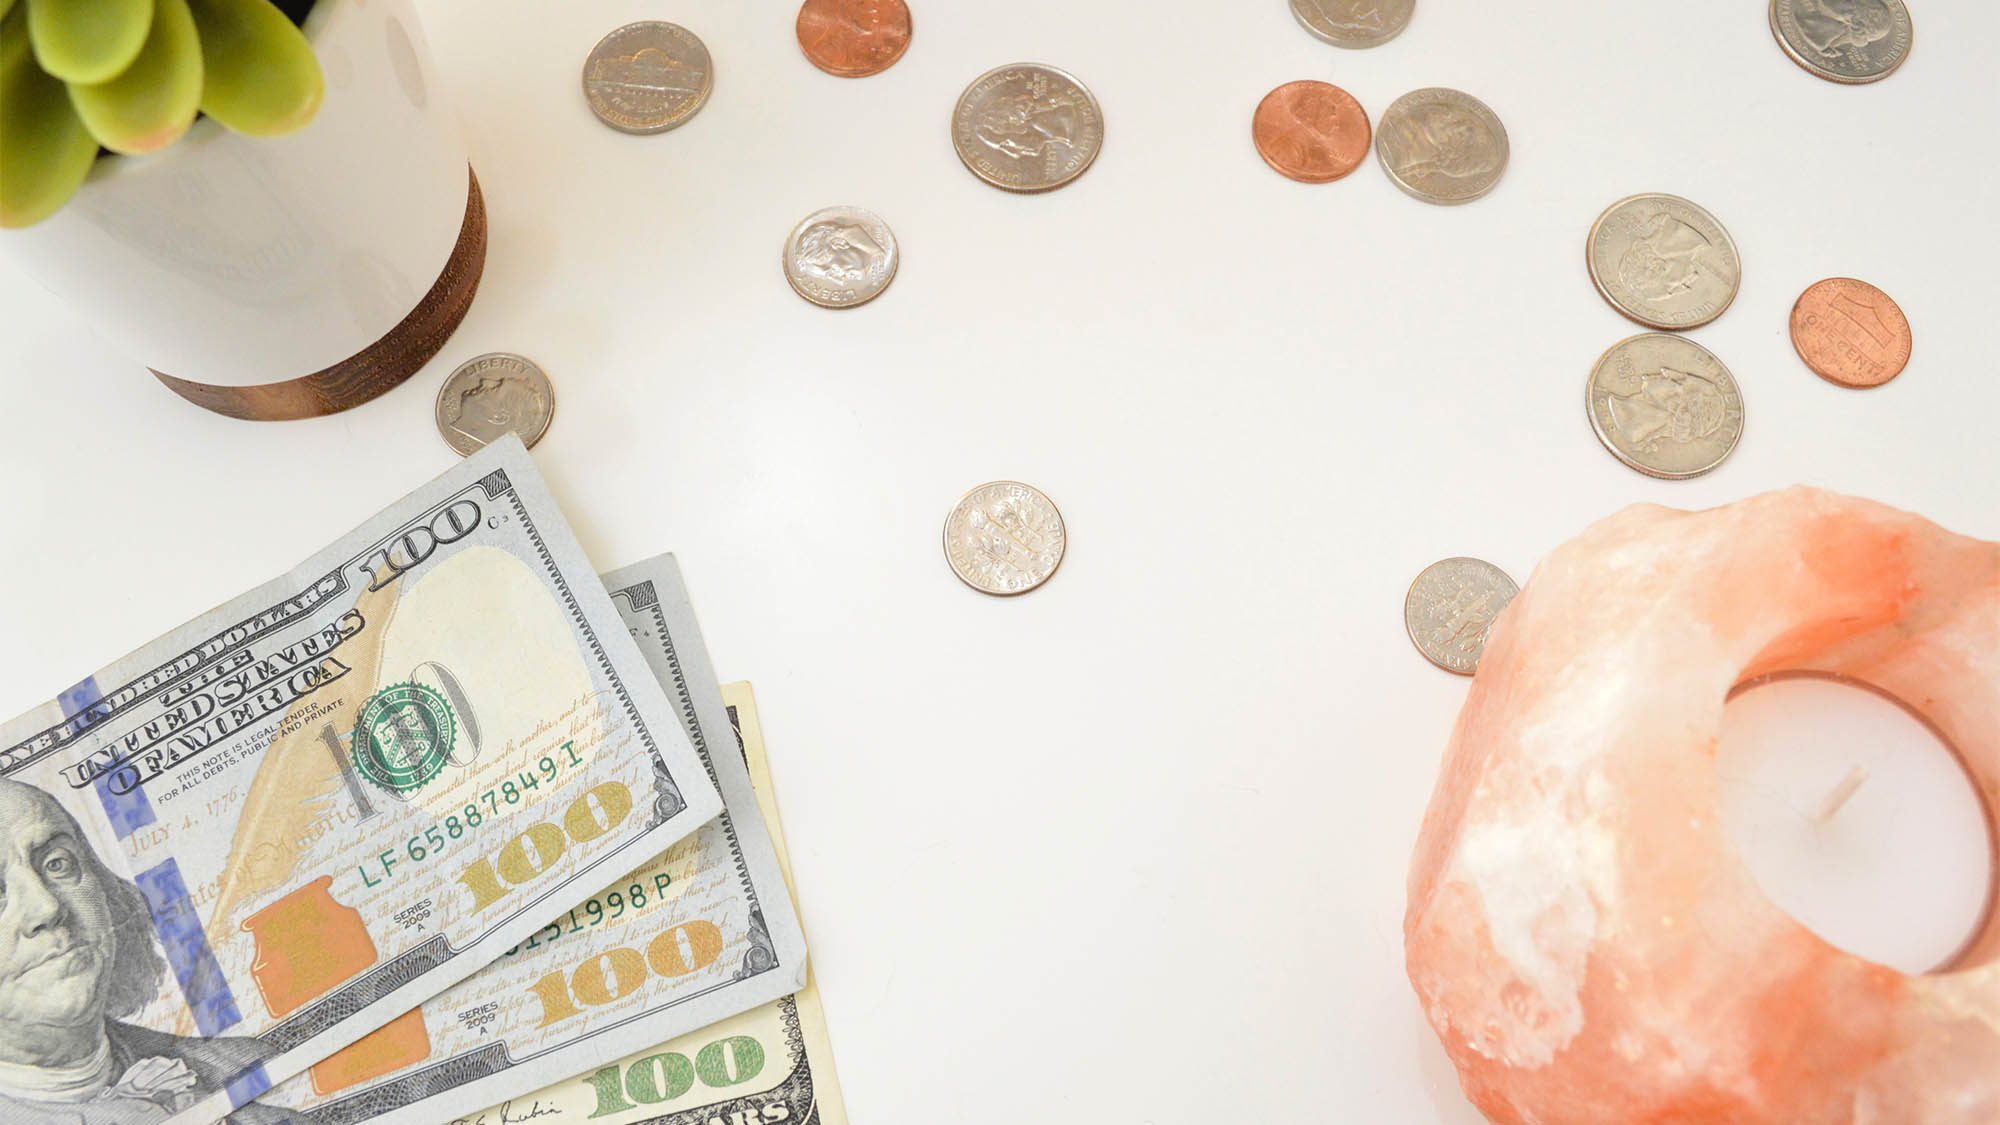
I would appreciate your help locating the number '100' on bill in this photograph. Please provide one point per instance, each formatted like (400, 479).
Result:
(290, 821)
(697, 934)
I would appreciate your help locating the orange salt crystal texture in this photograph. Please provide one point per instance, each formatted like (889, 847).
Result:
(1583, 937)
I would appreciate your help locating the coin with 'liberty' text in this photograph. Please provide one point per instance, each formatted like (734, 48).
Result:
(1441, 145)
(853, 38)
(494, 394)
(1663, 261)
(840, 257)
(1027, 127)
(1845, 41)
(1354, 23)
(1664, 405)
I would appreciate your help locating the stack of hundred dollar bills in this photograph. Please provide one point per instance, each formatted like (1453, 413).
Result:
(441, 826)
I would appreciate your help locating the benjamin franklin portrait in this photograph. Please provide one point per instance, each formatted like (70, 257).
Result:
(1834, 27)
(77, 956)
(840, 252)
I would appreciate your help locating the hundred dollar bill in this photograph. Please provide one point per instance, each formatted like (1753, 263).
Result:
(698, 934)
(278, 827)
(768, 1065)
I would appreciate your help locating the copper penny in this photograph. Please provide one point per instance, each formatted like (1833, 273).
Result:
(1850, 333)
(854, 38)
(1312, 132)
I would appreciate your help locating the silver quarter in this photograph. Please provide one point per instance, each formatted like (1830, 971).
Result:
(494, 394)
(1451, 606)
(648, 77)
(1662, 261)
(1850, 41)
(1441, 145)
(1665, 406)
(1354, 23)
(841, 257)
(1027, 127)
(1004, 538)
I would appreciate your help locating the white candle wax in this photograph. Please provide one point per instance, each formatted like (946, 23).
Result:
(1856, 819)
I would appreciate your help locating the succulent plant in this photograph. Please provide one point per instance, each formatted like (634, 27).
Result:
(130, 75)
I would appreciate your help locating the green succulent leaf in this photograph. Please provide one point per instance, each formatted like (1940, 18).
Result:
(259, 75)
(150, 105)
(88, 40)
(49, 152)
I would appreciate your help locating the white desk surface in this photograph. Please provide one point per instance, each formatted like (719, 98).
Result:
(1132, 848)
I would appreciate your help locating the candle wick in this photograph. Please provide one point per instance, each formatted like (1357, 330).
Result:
(1829, 807)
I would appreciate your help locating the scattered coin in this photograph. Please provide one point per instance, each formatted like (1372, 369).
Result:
(1027, 127)
(1441, 145)
(1662, 261)
(1850, 333)
(647, 77)
(1354, 23)
(840, 257)
(1312, 132)
(1004, 538)
(1849, 41)
(1665, 406)
(1450, 607)
(493, 394)
(854, 38)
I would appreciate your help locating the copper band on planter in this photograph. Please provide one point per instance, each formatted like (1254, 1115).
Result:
(379, 366)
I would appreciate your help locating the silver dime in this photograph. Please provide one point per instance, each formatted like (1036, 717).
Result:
(1450, 607)
(647, 77)
(493, 394)
(1354, 23)
(1851, 41)
(1662, 261)
(1004, 538)
(840, 257)
(1027, 127)
(1441, 145)
(1665, 406)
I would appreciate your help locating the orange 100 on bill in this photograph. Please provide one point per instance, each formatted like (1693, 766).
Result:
(694, 938)
(289, 822)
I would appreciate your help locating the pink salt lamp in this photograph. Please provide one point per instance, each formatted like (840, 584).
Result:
(1583, 937)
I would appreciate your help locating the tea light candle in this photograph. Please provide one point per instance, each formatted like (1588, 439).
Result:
(1856, 819)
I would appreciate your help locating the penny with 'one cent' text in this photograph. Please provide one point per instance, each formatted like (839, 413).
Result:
(1850, 333)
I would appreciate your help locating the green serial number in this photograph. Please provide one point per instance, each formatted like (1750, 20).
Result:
(439, 836)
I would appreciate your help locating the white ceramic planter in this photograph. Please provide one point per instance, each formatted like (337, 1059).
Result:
(334, 260)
